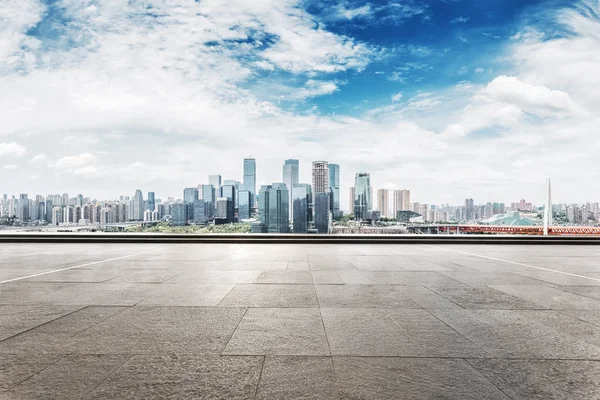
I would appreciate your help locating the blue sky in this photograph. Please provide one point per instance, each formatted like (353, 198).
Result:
(448, 98)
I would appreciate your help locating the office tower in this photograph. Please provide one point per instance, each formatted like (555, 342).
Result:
(151, 203)
(244, 204)
(138, 206)
(334, 188)
(190, 195)
(320, 177)
(351, 194)
(263, 205)
(250, 178)
(279, 204)
(215, 181)
(179, 213)
(229, 192)
(221, 210)
(290, 178)
(383, 202)
(208, 195)
(322, 212)
(302, 203)
(79, 200)
(49, 207)
(235, 184)
(65, 199)
(199, 215)
(362, 196)
(23, 208)
(469, 210)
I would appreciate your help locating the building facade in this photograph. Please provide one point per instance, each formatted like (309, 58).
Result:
(362, 196)
(290, 178)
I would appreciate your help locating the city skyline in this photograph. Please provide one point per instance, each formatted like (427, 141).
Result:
(449, 101)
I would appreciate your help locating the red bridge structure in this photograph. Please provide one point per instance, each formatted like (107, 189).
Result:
(506, 229)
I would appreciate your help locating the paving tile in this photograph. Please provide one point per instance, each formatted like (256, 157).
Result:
(376, 266)
(200, 276)
(298, 266)
(593, 292)
(101, 294)
(290, 331)
(551, 298)
(330, 266)
(559, 279)
(285, 277)
(421, 278)
(352, 277)
(243, 295)
(136, 276)
(71, 377)
(198, 295)
(406, 333)
(588, 316)
(182, 377)
(145, 330)
(77, 275)
(483, 297)
(410, 378)
(295, 377)
(16, 368)
(508, 334)
(364, 296)
(478, 278)
(543, 379)
(22, 292)
(17, 319)
(326, 278)
(564, 323)
(266, 265)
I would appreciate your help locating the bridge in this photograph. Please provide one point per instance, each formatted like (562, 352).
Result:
(502, 229)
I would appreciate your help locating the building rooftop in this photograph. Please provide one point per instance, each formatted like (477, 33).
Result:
(286, 321)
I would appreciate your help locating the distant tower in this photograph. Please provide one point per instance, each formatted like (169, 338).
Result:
(290, 178)
(249, 182)
(548, 208)
(320, 177)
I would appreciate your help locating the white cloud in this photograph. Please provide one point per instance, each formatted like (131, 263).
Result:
(459, 20)
(38, 159)
(12, 149)
(9, 166)
(71, 162)
(85, 171)
(396, 97)
(83, 140)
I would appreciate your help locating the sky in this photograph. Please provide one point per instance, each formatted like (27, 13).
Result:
(447, 98)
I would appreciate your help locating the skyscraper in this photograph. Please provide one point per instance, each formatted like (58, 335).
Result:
(469, 209)
(215, 181)
(208, 195)
(221, 210)
(401, 201)
(351, 194)
(320, 177)
(244, 204)
(322, 212)
(290, 178)
(138, 206)
(179, 213)
(151, 203)
(302, 203)
(23, 208)
(250, 178)
(279, 204)
(229, 192)
(383, 202)
(362, 196)
(334, 188)
(190, 195)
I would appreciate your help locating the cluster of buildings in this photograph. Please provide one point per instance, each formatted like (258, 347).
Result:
(280, 207)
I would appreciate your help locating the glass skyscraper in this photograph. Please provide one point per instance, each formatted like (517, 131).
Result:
(179, 213)
(322, 212)
(190, 195)
(229, 192)
(208, 195)
(244, 204)
(273, 208)
(215, 181)
(151, 203)
(290, 178)
(301, 203)
(334, 188)
(250, 178)
(362, 196)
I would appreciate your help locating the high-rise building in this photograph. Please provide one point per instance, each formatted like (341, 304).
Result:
(179, 213)
(215, 181)
(190, 195)
(469, 210)
(320, 177)
(302, 203)
(290, 178)
(23, 208)
(362, 196)
(199, 216)
(250, 178)
(273, 208)
(351, 195)
(57, 215)
(322, 212)
(151, 203)
(235, 184)
(334, 188)
(208, 195)
(138, 206)
(221, 209)
(244, 204)
(383, 202)
(229, 192)
(401, 201)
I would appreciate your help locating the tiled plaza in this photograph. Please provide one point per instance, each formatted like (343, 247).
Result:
(299, 321)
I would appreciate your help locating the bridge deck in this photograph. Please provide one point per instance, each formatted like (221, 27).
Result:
(289, 321)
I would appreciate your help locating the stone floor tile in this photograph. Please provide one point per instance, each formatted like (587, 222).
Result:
(17, 319)
(16, 368)
(290, 331)
(199, 295)
(285, 277)
(550, 298)
(243, 295)
(326, 278)
(364, 296)
(483, 297)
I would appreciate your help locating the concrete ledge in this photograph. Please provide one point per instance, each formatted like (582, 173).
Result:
(293, 239)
